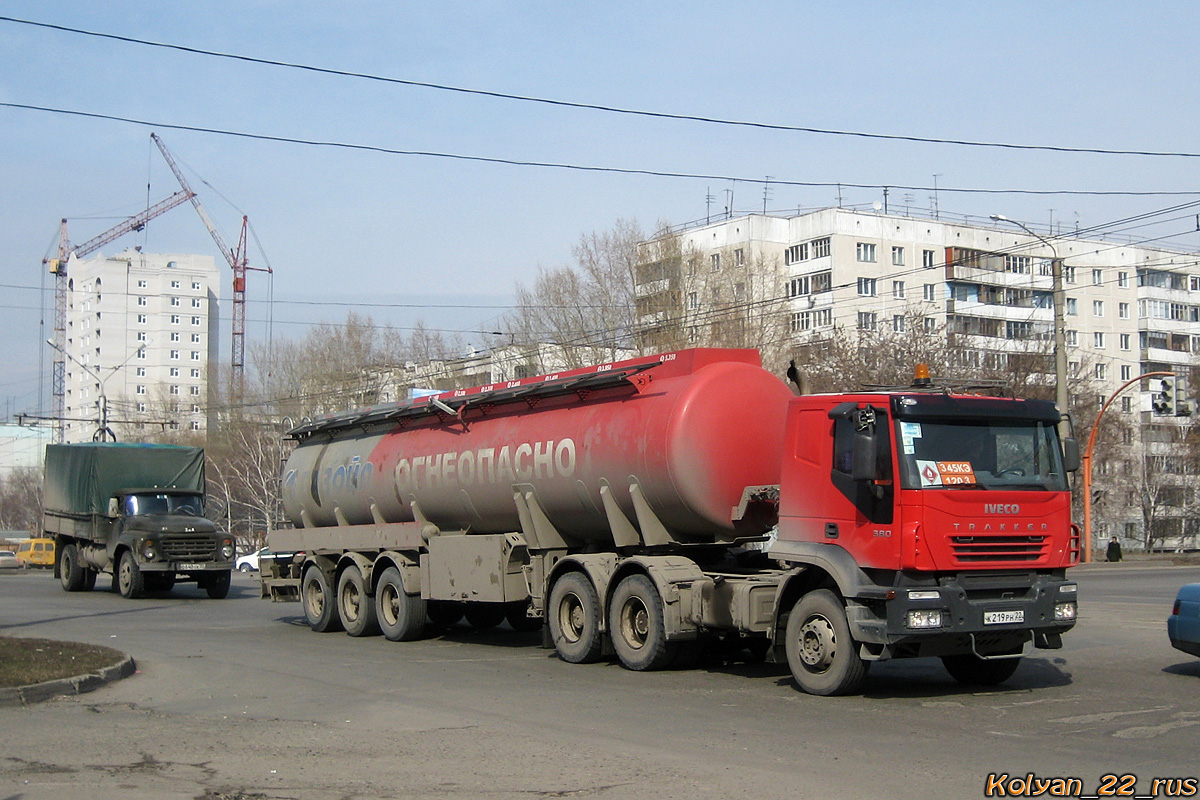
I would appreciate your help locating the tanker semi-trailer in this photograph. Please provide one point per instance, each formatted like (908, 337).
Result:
(646, 507)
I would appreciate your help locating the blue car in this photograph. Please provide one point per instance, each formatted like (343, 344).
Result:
(1183, 626)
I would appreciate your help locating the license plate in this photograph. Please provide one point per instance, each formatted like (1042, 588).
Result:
(1003, 617)
(185, 567)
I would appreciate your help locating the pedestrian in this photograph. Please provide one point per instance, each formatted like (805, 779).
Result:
(1114, 550)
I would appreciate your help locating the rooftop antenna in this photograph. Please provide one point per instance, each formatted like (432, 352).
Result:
(766, 192)
(935, 195)
(708, 201)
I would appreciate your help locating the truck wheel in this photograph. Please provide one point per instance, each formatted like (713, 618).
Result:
(355, 606)
(444, 613)
(320, 607)
(574, 619)
(483, 616)
(823, 657)
(217, 584)
(973, 670)
(401, 615)
(518, 619)
(129, 576)
(635, 623)
(70, 573)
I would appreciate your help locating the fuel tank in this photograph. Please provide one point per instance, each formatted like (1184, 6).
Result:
(689, 430)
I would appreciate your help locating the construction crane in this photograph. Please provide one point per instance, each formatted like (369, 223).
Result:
(237, 259)
(62, 288)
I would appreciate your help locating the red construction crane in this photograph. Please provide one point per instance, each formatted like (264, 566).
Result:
(62, 286)
(237, 259)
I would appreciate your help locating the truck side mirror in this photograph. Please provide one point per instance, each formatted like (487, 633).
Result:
(113, 507)
(1071, 454)
(862, 463)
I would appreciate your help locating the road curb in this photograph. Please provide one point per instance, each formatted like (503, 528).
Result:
(79, 684)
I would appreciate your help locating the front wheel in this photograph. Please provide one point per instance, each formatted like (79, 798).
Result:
(975, 671)
(320, 606)
(820, 651)
(217, 584)
(130, 581)
(70, 572)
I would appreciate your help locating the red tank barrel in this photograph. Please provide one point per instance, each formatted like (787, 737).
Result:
(690, 430)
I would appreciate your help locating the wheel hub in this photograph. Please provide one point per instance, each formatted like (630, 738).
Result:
(818, 644)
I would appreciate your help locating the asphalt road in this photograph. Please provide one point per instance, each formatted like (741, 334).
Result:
(236, 698)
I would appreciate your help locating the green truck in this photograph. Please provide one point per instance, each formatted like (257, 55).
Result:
(136, 511)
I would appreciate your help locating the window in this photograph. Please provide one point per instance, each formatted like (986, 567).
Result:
(141, 301)
(141, 407)
(141, 388)
(174, 284)
(797, 252)
(195, 425)
(195, 390)
(141, 319)
(739, 259)
(175, 302)
(174, 336)
(174, 372)
(195, 408)
(898, 290)
(1072, 307)
(1069, 274)
(1097, 308)
(1098, 340)
(1126, 372)
(1124, 341)
(195, 372)
(141, 284)
(866, 287)
(195, 338)
(1126, 402)
(898, 323)
(140, 372)
(692, 301)
(174, 355)
(1101, 372)
(141, 354)
(195, 320)
(867, 320)
(1072, 338)
(897, 256)
(195, 355)
(174, 388)
(820, 247)
(1097, 277)
(1021, 265)
(174, 319)
(197, 302)
(715, 261)
(930, 325)
(1123, 310)
(141, 336)
(927, 258)
(1123, 280)
(196, 285)
(866, 252)
(930, 292)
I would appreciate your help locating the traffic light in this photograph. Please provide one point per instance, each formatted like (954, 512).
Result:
(1162, 402)
(1182, 408)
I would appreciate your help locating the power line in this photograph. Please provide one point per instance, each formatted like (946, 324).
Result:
(599, 107)
(512, 162)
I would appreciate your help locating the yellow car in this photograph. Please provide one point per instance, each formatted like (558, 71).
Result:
(36, 553)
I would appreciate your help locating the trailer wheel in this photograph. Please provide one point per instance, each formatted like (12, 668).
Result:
(129, 580)
(973, 670)
(355, 606)
(320, 607)
(635, 623)
(574, 619)
(823, 657)
(70, 574)
(217, 584)
(444, 613)
(519, 619)
(401, 615)
(483, 616)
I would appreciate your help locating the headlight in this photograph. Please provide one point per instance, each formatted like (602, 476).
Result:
(925, 618)
(149, 553)
(1069, 588)
(1064, 611)
(227, 550)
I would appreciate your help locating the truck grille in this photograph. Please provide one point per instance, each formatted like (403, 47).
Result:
(999, 548)
(188, 547)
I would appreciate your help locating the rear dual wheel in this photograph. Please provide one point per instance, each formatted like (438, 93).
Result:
(320, 604)
(401, 616)
(355, 605)
(71, 574)
(637, 627)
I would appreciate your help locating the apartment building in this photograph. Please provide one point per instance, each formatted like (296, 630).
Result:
(141, 343)
(987, 286)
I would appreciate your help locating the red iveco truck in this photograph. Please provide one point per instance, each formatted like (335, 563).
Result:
(650, 507)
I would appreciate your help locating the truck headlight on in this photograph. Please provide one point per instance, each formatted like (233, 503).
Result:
(149, 551)
(925, 618)
(1064, 612)
(226, 549)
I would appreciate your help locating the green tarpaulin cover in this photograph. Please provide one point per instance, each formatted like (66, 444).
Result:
(81, 477)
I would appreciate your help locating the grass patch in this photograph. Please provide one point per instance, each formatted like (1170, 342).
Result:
(28, 661)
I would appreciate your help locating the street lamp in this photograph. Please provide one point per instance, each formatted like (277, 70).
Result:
(103, 432)
(1060, 334)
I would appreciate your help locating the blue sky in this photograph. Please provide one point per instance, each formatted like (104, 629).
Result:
(342, 226)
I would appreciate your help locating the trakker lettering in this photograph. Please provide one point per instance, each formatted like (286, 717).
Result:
(508, 464)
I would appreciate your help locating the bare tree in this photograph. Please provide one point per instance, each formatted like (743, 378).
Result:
(21, 500)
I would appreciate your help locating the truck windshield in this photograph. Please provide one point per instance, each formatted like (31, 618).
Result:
(164, 503)
(980, 454)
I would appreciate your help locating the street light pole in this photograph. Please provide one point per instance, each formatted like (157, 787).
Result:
(1061, 394)
(1086, 460)
(103, 432)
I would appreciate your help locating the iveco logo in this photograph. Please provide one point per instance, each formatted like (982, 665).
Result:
(1001, 508)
